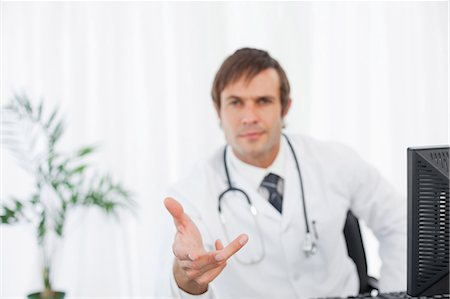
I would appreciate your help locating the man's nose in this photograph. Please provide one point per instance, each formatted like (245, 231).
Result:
(249, 114)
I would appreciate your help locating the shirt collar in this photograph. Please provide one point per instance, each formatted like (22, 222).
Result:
(254, 175)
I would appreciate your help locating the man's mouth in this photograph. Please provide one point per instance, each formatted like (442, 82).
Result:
(251, 134)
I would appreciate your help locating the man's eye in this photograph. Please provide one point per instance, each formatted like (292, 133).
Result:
(264, 100)
(235, 103)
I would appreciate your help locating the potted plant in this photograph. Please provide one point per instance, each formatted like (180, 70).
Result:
(62, 180)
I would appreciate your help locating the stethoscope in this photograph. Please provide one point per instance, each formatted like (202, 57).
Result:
(309, 245)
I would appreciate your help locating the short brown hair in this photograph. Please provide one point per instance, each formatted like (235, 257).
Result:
(248, 62)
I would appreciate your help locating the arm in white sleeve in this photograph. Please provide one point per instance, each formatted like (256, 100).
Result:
(375, 201)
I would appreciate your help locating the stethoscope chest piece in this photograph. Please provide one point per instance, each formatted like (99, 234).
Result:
(309, 245)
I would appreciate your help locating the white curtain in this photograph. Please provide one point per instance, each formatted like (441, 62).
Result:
(136, 77)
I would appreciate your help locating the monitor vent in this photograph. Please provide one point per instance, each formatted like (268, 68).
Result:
(433, 224)
(440, 159)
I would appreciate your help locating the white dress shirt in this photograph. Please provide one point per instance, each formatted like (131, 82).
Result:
(255, 175)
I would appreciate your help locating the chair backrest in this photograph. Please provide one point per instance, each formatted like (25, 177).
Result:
(357, 253)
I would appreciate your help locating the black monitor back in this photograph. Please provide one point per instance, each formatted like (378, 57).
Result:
(428, 221)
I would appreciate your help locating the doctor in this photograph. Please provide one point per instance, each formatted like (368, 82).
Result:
(263, 217)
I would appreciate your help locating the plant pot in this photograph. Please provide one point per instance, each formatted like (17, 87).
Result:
(53, 295)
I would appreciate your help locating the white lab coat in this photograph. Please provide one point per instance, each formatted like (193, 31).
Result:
(335, 180)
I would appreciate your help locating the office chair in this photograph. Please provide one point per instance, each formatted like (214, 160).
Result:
(356, 252)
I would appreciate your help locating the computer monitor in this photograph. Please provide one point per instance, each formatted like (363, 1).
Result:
(428, 221)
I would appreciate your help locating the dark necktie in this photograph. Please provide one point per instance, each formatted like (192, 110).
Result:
(270, 182)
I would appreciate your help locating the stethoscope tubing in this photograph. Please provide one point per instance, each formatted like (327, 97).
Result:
(302, 191)
(232, 188)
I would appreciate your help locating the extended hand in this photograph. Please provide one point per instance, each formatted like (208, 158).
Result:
(194, 268)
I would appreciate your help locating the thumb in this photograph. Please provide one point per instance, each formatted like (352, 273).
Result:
(219, 245)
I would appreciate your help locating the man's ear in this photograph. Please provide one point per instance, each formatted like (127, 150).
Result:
(286, 109)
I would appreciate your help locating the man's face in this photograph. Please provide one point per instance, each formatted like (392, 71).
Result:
(251, 118)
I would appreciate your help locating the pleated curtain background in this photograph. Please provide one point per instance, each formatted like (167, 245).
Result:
(135, 78)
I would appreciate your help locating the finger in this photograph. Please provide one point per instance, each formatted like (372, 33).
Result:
(210, 268)
(192, 269)
(232, 248)
(212, 259)
(219, 245)
(210, 275)
(176, 210)
(202, 260)
(185, 255)
(194, 265)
